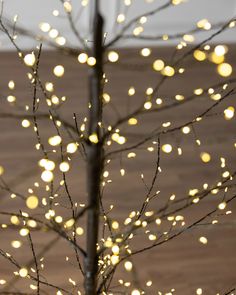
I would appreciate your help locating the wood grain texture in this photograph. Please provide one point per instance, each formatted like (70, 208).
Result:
(183, 263)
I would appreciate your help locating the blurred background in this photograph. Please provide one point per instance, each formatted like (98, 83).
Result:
(178, 18)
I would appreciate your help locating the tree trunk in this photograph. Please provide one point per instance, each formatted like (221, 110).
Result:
(94, 155)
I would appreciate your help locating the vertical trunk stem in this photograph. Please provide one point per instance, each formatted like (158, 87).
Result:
(94, 156)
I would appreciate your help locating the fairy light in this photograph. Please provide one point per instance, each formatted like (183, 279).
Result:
(220, 50)
(128, 265)
(135, 292)
(53, 33)
(168, 71)
(199, 55)
(29, 59)
(158, 65)
(47, 176)
(166, 148)
(82, 58)
(229, 113)
(71, 148)
(23, 272)
(24, 232)
(222, 205)
(44, 27)
(11, 98)
(224, 70)
(186, 129)
(113, 56)
(16, 244)
(79, 231)
(11, 85)
(91, 61)
(199, 291)
(64, 166)
(25, 123)
(203, 240)
(145, 52)
(120, 18)
(32, 202)
(59, 71)
(131, 91)
(216, 59)
(205, 157)
(54, 140)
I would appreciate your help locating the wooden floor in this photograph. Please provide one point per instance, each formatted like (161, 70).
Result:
(183, 264)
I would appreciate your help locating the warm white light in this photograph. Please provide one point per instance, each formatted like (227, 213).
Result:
(71, 148)
(166, 148)
(113, 56)
(23, 272)
(47, 176)
(32, 202)
(59, 71)
(64, 167)
(29, 59)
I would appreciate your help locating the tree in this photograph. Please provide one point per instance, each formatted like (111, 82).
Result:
(110, 243)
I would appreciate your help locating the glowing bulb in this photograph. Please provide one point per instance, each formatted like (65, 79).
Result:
(120, 18)
(135, 292)
(203, 240)
(213, 57)
(131, 91)
(91, 61)
(114, 259)
(11, 98)
(1, 170)
(15, 220)
(53, 33)
(55, 140)
(222, 205)
(224, 69)
(25, 123)
(82, 58)
(179, 97)
(113, 56)
(115, 249)
(121, 140)
(199, 291)
(205, 157)
(44, 27)
(16, 244)
(199, 55)
(24, 232)
(32, 202)
(229, 113)
(166, 148)
(128, 265)
(79, 231)
(67, 6)
(47, 176)
(186, 129)
(64, 167)
(145, 52)
(147, 105)
(168, 71)
(132, 121)
(71, 148)
(23, 272)
(11, 84)
(59, 71)
(93, 138)
(220, 50)
(29, 59)
(158, 65)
